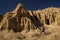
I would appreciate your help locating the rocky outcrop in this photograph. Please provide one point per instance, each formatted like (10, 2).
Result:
(20, 19)
(21, 23)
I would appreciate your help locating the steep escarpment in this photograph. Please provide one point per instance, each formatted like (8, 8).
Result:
(20, 19)
(26, 23)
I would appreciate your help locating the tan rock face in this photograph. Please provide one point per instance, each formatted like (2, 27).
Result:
(25, 20)
(21, 23)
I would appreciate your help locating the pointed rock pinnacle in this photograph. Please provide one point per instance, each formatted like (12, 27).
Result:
(19, 6)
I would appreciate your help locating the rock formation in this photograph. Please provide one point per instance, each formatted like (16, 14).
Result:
(28, 21)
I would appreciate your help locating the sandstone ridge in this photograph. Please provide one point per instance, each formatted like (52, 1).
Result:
(28, 22)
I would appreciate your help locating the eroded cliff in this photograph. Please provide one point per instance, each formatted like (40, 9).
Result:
(28, 22)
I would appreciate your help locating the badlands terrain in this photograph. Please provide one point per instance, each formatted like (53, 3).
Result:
(23, 24)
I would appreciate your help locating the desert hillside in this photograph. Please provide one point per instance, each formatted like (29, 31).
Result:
(23, 24)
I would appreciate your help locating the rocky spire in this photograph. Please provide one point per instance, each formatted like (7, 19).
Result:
(18, 7)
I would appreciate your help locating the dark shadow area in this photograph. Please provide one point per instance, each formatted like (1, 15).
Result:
(46, 20)
(14, 25)
(35, 21)
(1, 17)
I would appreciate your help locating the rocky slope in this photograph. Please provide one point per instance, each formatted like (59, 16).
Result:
(22, 24)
